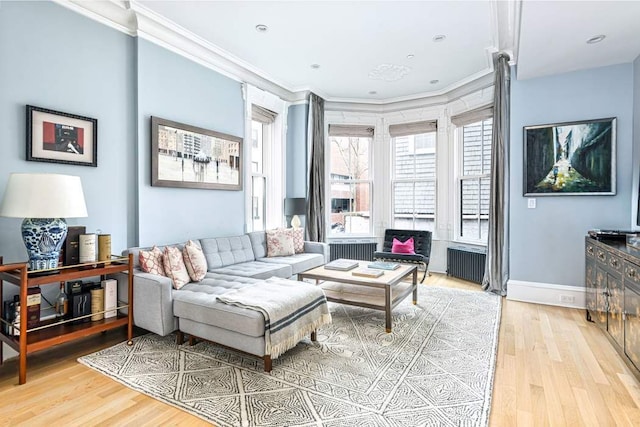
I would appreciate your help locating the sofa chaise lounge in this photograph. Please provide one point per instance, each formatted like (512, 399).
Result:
(232, 263)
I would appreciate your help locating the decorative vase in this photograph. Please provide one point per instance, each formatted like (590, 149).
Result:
(43, 238)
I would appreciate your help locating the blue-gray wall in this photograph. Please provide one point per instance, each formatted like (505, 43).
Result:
(296, 177)
(547, 243)
(88, 71)
(174, 88)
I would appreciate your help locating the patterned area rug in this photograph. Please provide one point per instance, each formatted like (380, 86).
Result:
(435, 369)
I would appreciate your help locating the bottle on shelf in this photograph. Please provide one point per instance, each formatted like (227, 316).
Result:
(62, 302)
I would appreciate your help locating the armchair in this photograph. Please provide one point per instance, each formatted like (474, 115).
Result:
(421, 244)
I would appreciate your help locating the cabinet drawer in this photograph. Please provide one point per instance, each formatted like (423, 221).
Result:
(614, 262)
(632, 273)
(590, 250)
(601, 256)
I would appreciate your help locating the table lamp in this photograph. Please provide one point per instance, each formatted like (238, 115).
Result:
(44, 201)
(295, 206)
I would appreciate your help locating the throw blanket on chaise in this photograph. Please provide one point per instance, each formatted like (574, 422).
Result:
(291, 310)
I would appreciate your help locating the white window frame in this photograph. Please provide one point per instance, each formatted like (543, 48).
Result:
(459, 178)
(274, 157)
(349, 181)
(414, 181)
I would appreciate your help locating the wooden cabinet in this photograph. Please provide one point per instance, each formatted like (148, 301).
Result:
(612, 279)
(59, 331)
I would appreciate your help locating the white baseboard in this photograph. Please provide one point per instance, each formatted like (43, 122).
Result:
(546, 293)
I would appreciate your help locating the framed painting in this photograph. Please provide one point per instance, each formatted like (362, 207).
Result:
(572, 158)
(187, 156)
(56, 137)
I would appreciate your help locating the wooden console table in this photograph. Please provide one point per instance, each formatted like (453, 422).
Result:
(61, 331)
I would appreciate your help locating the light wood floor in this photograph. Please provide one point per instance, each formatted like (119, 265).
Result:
(553, 368)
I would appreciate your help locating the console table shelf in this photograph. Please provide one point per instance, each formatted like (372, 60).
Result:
(58, 332)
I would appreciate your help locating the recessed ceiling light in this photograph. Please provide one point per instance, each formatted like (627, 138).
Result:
(434, 81)
(410, 56)
(596, 39)
(315, 66)
(261, 28)
(372, 92)
(439, 38)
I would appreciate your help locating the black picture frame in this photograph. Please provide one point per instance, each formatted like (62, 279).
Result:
(57, 137)
(185, 156)
(570, 158)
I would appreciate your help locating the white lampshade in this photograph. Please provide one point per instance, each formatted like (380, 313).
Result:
(42, 195)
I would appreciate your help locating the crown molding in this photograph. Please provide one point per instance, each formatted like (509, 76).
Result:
(475, 85)
(112, 13)
(134, 19)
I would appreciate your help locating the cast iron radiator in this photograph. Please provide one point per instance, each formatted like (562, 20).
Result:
(466, 263)
(352, 250)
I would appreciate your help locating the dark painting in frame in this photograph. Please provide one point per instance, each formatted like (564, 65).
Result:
(185, 156)
(57, 137)
(570, 158)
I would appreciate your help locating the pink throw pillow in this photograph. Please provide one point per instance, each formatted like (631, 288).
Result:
(174, 266)
(151, 261)
(195, 261)
(399, 247)
(279, 243)
(297, 234)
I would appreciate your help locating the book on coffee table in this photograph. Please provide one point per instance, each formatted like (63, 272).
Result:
(367, 272)
(341, 265)
(381, 265)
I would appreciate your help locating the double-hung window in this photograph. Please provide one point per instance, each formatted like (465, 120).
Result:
(261, 134)
(474, 131)
(350, 182)
(413, 179)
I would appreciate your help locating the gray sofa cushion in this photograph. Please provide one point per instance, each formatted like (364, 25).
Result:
(298, 262)
(203, 308)
(224, 251)
(256, 270)
(258, 243)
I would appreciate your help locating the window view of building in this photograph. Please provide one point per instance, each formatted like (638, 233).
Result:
(474, 178)
(258, 177)
(350, 184)
(414, 181)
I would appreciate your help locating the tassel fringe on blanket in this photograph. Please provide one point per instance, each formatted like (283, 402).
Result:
(292, 310)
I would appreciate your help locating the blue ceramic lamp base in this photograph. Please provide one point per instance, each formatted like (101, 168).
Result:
(43, 238)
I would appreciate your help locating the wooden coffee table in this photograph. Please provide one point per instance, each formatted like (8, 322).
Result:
(380, 293)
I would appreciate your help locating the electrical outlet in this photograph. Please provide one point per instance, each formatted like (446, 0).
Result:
(531, 203)
(567, 298)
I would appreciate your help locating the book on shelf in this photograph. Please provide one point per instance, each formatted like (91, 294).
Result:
(381, 265)
(34, 298)
(110, 297)
(367, 272)
(341, 265)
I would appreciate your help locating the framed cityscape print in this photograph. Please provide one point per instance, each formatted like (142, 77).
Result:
(572, 158)
(56, 137)
(187, 156)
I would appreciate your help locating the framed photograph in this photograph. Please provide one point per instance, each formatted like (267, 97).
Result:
(56, 137)
(186, 156)
(573, 158)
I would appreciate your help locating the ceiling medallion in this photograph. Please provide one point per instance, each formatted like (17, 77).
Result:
(389, 72)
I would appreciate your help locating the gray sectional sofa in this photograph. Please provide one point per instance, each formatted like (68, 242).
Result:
(232, 262)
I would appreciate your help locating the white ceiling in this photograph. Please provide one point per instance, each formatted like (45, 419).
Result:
(352, 40)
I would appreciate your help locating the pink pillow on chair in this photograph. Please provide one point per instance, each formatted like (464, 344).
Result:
(399, 247)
